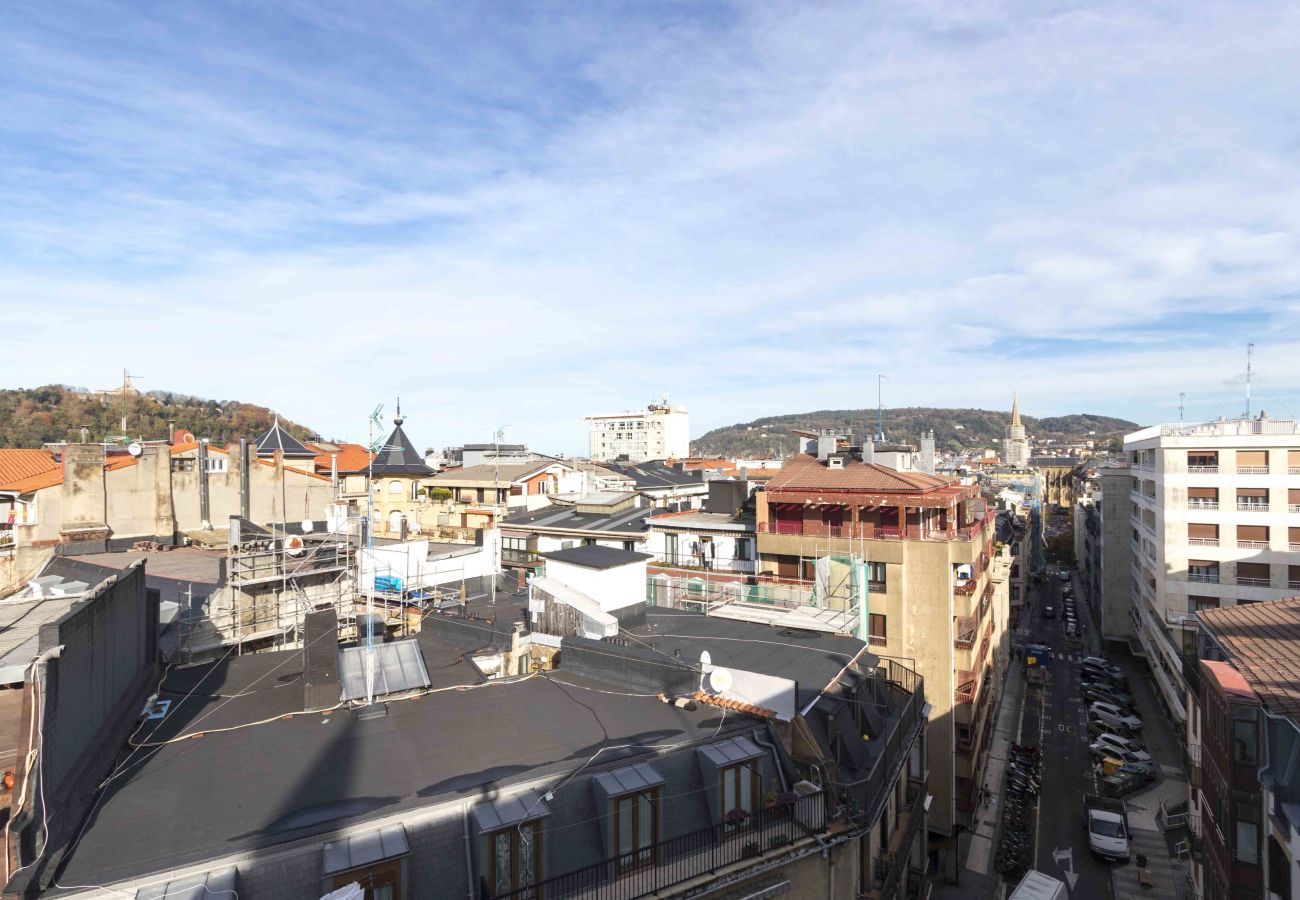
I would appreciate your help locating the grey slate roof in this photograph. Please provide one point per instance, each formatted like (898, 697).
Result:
(276, 438)
(398, 456)
(626, 521)
(653, 475)
(596, 556)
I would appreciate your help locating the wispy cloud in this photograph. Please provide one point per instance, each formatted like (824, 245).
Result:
(521, 216)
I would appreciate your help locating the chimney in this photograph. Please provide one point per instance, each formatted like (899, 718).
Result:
(869, 451)
(243, 477)
(334, 474)
(825, 444)
(926, 462)
(204, 515)
(171, 432)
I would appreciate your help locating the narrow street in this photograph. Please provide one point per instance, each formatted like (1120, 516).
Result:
(1056, 719)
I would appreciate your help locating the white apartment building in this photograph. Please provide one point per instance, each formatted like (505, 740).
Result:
(659, 431)
(1215, 523)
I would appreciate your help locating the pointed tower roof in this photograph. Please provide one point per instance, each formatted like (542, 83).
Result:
(1015, 409)
(276, 438)
(398, 455)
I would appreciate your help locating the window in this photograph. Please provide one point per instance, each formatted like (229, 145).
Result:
(1252, 462)
(876, 577)
(371, 859)
(378, 882)
(1247, 844)
(415, 490)
(514, 857)
(1204, 461)
(1252, 536)
(1202, 535)
(183, 464)
(876, 628)
(636, 829)
(1243, 741)
(629, 546)
(738, 788)
(395, 487)
(216, 465)
(1253, 574)
(1252, 499)
(744, 549)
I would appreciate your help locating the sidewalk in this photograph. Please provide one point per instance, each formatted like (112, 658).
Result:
(978, 877)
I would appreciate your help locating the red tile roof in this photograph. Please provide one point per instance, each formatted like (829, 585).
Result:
(738, 706)
(1263, 641)
(805, 472)
(17, 467)
(352, 458)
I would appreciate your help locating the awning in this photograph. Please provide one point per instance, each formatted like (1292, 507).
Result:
(728, 753)
(193, 887)
(504, 813)
(628, 779)
(398, 666)
(364, 849)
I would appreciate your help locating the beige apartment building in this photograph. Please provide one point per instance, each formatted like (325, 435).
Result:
(1215, 523)
(938, 591)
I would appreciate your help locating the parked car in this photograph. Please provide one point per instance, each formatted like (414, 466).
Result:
(1104, 693)
(1049, 612)
(1113, 674)
(1064, 576)
(1127, 757)
(1125, 745)
(1111, 715)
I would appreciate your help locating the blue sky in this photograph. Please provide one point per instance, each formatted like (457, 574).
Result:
(518, 214)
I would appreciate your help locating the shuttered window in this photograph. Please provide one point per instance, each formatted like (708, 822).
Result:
(1203, 493)
(1252, 533)
(1252, 492)
(1252, 457)
(1293, 535)
(1293, 459)
(1202, 532)
(1293, 496)
(1252, 571)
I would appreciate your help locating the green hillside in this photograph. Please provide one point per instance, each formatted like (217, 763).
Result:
(954, 429)
(32, 416)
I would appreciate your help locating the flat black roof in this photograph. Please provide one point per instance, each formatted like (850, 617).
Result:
(595, 556)
(810, 658)
(284, 779)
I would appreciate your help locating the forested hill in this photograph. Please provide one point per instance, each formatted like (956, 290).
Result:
(954, 429)
(30, 417)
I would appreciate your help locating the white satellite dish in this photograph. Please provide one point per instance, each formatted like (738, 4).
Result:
(293, 545)
(307, 526)
(719, 681)
(134, 448)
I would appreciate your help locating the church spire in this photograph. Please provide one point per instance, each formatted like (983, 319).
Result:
(1015, 409)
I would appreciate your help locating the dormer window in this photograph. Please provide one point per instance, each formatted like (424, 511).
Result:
(835, 462)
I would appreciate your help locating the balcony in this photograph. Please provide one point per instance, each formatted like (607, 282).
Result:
(1252, 507)
(1252, 470)
(1293, 585)
(967, 687)
(1202, 470)
(1293, 470)
(889, 864)
(1253, 582)
(765, 833)
(512, 557)
(965, 630)
(1182, 620)
(1203, 542)
(1202, 503)
(1203, 577)
(703, 564)
(869, 531)
(1252, 545)
(1293, 507)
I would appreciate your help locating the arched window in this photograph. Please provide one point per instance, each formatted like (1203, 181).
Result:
(395, 521)
(394, 487)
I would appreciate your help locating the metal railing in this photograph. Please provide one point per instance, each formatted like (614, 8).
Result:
(1252, 507)
(1252, 470)
(1203, 470)
(890, 864)
(1203, 542)
(1202, 503)
(868, 531)
(1248, 581)
(1253, 545)
(673, 861)
(706, 564)
(523, 557)
(1203, 577)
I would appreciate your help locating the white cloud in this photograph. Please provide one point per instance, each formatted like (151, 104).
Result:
(754, 209)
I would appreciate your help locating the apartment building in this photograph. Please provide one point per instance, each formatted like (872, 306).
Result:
(659, 431)
(1243, 740)
(1214, 524)
(938, 589)
(1103, 528)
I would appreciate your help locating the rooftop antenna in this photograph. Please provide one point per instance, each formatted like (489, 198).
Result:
(1181, 397)
(880, 409)
(497, 437)
(1250, 351)
(126, 386)
(376, 418)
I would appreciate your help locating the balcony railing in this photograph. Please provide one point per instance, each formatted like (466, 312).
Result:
(1292, 585)
(1293, 507)
(1203, 542)
(1253, 545)
(682, 858)
(1203, 577)
(704, 564)
(1203, 470)
(867, 531)
(1202, 503)
(1246, 581)
(890, 863)
(520, 557)
(1293, 546)
(1252, 507)
(1252, 470)
(965, 630)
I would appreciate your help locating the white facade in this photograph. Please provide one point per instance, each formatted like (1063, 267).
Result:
(659, 431)
(1215, 522)
(614, 588)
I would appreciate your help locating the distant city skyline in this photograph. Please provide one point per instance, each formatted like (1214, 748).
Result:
(519, 216)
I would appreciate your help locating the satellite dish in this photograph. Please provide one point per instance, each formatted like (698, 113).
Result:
(719, 681)
(307, 526)
(134, 448)
(293, 545)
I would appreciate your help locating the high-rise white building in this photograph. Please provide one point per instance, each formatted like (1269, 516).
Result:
(659, 431)
(1215, 523)
(1017, 442)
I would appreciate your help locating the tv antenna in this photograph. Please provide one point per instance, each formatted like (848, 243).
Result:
(1250, 352)
(1181, 397)
(880, 408)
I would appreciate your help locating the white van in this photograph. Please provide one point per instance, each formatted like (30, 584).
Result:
(1112, 716)
(1115, 742)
